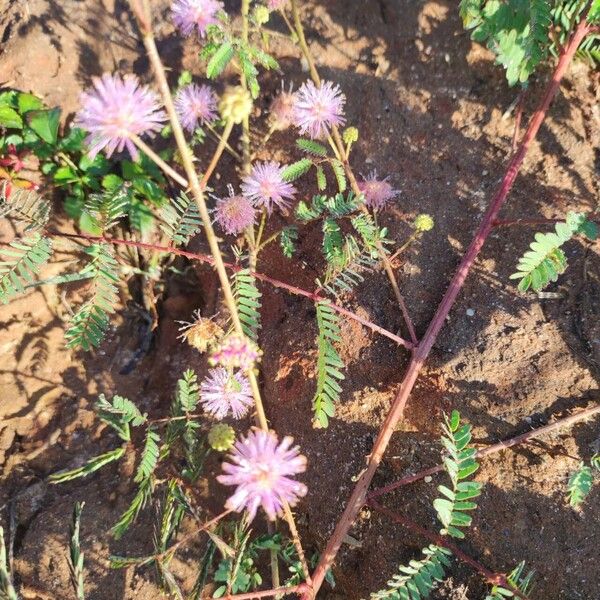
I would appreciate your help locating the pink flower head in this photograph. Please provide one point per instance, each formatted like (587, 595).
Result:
(195, 104)
(377, 192)
(116, 110)
(319, 108)
(265, 186)
(223, 392)
(260, 467)
(234, 213)
(195, 14)
(282, 110)
(275, 4)
(236, 352)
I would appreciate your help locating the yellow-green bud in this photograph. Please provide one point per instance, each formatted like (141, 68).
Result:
(261, 14)
(350, 135)
(221, 437)
(235, 104)
(423, 223)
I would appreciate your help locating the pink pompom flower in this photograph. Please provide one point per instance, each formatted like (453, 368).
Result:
(195, 104)
(195, 14)
(224, 392)
(236, 352)
(317, 109)
(281, 111)
(377, 192)
(265, 186)
(260, 467)
(234, 213)
(115, 110)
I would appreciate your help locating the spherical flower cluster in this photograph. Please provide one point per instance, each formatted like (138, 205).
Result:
(281, 111)
(317, 109)
(221, 437)
(236, 352)
(377, 192)
(195, 105)
(260, 468)
(234, 213)
(235, 104)
(115, 111)
(265, 186)
(201, 333)
(261, 14)
(195, 14)
(224, 392)
(350, 135)
(423, 223)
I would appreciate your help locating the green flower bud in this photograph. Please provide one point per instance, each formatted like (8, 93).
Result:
(423, 223)
(235, 104)
(350, 135)
(221, 437)
(261, 14)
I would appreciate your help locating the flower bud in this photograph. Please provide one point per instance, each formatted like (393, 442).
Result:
(350, 135)
(221, 437)
(235, 104)
(423, 223)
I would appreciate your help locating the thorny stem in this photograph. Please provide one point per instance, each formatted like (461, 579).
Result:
(208, 259)
(421, 352)
(482, 452)
(443, 541)
(343, 157)
(143, 16)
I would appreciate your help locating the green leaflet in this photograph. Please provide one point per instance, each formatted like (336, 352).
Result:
(247, 297)
(21, 262)
(545, 261)
(329, 365)
(419, 578)
(180, 220)
(460, 464)
(91, 321)
(25, 207)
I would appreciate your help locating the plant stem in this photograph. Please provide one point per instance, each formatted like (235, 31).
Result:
(343, 157)
(208, 259)
(443, 541)
(217, 155)
(144, 21)
(245, 139)
(218, 137)
(482, 452)
(421, 352)
(511, 222)
(172, 173)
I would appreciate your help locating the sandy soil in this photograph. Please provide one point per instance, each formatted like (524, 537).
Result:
(429, 106)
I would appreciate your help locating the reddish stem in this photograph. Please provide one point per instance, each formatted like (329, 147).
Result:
(420, 353)
(512, 222)
(284, 591)
(443, 541)
(208, 259)
(519, 439)
(518, 117)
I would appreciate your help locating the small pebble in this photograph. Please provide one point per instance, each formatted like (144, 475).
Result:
(470, 312)
(428, 479)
